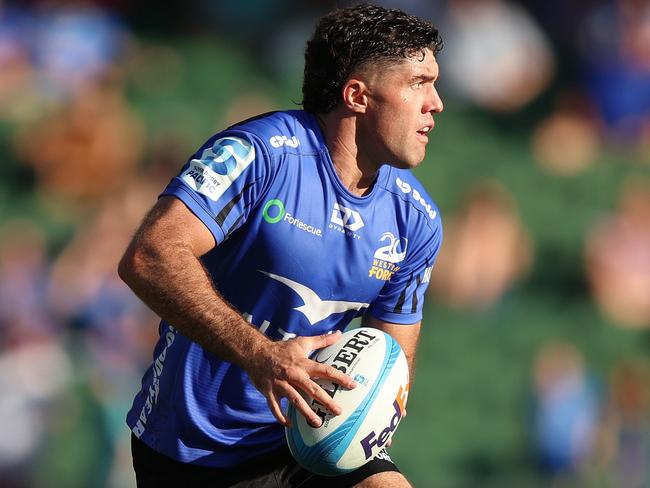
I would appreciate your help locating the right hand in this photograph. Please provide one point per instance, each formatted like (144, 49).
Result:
(283, 369)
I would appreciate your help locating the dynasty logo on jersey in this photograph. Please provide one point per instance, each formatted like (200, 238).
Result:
(346, 217)
(384, 262)
(346, 221)
(219, 166)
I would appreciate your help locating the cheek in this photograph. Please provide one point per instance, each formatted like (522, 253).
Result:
(395, 118)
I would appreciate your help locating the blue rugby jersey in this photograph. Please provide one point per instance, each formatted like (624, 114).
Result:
(298, 255)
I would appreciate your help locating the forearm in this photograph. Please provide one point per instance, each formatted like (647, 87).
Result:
(174, 284)
(410, 360)
(407, 336)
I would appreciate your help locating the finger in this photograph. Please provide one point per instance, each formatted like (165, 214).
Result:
(319, 370)
(323, 340)
(276, 410)
(303, 408)
(321, 396)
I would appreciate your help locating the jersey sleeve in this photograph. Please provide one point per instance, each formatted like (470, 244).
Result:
(223, 181)
(402, 298)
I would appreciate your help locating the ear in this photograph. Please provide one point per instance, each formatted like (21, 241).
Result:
(355, 95)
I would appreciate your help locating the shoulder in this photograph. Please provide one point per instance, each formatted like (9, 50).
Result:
(281, 133)
(413, 199)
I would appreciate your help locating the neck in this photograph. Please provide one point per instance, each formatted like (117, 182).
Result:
(353, 168)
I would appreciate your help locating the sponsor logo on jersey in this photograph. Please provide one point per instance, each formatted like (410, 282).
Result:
(406, 188)
(314, 308)
(279, 141)
(154, 388)
(379, 440)
(346, 221)
(213, 173)
(274, 211)
(385, 259)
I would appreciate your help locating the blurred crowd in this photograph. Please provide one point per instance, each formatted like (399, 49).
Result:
(75, 143)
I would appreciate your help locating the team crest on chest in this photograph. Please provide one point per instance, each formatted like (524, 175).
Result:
(386, 258)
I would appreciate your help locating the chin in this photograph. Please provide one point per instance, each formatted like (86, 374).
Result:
(408, 163)
(403, 165)
(407, 159)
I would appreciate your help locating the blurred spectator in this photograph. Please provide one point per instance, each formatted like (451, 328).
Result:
(485, 251)
(17, 74)
(24, 270)
(568, 141)
(32, 374)
(76, 44)
(33, 364)
(626, 428)
(615, 47)
(116, 330)
(88, 150)
(52, 51)
(85, 291)
(566, 412)
(495, 54)
(617, 254)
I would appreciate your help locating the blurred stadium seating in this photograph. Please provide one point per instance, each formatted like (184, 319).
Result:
(100, 104)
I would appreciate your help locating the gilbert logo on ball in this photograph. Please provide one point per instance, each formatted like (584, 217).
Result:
(371, 411)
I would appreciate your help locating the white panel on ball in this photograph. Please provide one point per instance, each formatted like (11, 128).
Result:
(371, 411)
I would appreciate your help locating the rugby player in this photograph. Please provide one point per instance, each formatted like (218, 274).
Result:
(274, 235)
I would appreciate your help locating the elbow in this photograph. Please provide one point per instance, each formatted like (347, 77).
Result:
(132, 267)
(125, 266)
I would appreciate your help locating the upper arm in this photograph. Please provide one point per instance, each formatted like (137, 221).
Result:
(209, 199)
(169, 224)
(223, 181)
(170, 219)
(402, 297)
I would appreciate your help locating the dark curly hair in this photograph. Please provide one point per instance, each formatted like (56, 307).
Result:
(348, 38)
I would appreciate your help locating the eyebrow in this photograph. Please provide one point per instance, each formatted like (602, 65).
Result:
(425, 78)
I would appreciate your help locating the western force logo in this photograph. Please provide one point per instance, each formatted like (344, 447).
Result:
(346, 221)
(315, 309)
(406, 188)
(384, 262)
(274, 212)
(279, 141)
(389, 252)
(219, 166)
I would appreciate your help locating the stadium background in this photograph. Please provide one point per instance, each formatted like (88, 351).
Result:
(533, 366)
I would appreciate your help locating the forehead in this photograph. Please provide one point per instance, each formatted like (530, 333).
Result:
(420, 63)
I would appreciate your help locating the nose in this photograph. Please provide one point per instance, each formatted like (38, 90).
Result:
(433, 102)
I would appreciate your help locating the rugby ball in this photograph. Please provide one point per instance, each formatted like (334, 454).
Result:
(371, 411)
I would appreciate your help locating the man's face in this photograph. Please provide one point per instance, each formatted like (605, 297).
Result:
(402, 99)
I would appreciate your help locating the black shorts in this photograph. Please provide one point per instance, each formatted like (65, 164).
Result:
(274, 470)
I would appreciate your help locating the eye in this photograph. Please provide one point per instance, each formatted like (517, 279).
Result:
(418, 84)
